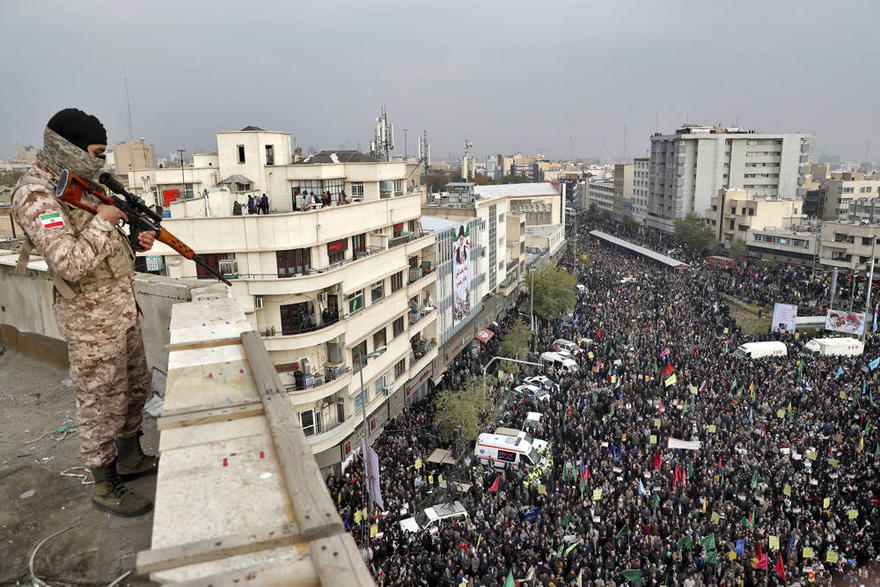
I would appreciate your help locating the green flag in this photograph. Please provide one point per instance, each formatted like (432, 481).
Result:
(754, 482)
(634, 575)
(745, 522)
(690, 470)
(624, 531)
(583, 486)
(867, 430)
(655, 366)
(570, 548)
(655, 502)
(559, 552)
(509, 581)
(708, 542)
(733, 384)
(565, 520)
(684, 542)
(712, 557)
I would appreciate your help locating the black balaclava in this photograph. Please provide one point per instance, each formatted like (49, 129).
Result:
(65, 139)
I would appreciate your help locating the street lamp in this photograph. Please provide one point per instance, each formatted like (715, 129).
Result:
(364, 402)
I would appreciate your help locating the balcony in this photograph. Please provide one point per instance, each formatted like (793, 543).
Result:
(321, 388)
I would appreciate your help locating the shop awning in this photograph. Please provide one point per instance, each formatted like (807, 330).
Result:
(484, 335)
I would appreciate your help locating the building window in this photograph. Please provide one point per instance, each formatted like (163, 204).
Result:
(359, 244)
(377, 291)
(385, 188)
(379, 339)
(381, 386)
(357, 356)
(356, 301)
(310, 421)
(293, 262)
(297, 318)
(398, 187)
(398, 326)
(270, 155)
(241, 154)
(357, 189)
(399, 368)
(336, 250)
(212, 260)
(397, 281)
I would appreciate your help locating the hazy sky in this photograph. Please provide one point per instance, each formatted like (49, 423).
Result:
(544, 77)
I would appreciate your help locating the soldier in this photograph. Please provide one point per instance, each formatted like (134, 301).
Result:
(94, 305)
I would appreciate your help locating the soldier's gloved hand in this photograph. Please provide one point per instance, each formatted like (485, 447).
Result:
(111, 214)
(146, 239)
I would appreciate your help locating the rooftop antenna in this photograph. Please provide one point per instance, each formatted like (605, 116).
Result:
(656, 121)
(128, 104)
(383, 141)
(624, 141)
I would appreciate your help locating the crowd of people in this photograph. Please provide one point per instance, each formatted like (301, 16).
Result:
(776, 480)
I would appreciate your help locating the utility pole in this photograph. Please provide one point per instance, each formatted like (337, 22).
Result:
(180, 153)
(405, 145)
(870, 284)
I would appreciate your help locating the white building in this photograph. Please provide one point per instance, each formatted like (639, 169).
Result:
(324, 286)
(839, 193)
(689, 167)
(641, 168)
(601, 194)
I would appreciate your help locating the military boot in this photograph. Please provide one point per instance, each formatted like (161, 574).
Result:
(110, 495)
(131, 460)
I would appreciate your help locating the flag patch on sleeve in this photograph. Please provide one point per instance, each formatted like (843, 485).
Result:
(51, 220)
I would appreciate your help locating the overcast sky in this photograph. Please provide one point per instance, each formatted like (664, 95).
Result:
(549, 77)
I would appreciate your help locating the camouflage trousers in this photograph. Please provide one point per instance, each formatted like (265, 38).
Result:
(112, 384)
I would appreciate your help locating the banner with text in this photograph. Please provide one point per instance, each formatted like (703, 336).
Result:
(784, 317)
(461, 282)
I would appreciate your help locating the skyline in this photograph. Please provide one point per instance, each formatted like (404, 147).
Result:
(562, 81)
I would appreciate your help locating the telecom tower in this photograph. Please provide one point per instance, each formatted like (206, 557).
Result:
(467, 162)
(424, 156)
(383, 142)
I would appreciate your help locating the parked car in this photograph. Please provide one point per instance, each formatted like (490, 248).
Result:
(431, 517)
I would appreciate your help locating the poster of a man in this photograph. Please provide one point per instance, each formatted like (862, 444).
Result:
(461, 253)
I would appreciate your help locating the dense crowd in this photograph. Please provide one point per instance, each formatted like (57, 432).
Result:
(785, 479)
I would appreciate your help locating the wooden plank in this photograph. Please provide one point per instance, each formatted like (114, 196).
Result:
(210, 416)
(190, 411)
(312, 504)
(205, 344)
(294, 573)
(213, 549)
(339, 563)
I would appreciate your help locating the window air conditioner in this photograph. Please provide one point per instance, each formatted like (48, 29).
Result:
(228, 268)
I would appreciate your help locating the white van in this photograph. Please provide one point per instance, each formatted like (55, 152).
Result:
(506, 451)
(430, 518)
(533, 420)
(834, 347)
(543, 382)
(532, 391)
(566, 345)
(540, 445)
(759, 350)
(556, 360)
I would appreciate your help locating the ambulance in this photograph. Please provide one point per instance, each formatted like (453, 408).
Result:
(500, 451)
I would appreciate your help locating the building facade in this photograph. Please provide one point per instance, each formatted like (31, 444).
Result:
(601, 195)
(837, 194)
(689, 167)
(732, 213)
(848, 245)
(641, 167)
(799, 247)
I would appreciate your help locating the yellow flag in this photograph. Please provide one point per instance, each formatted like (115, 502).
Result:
(842, 395)
(780, 413)
(374, 529)
(694, 389)
(657, 422)
(711, 428)
(430, 479)
(597, 494)
(789, 406)
(590, 355)
(852, 514)
(439, 479)
(786, 489)
(826, 503)
(614, 379)
(808, 552)
(731, 555)
(774, 543)
(357, 517)
(831, 556)
(861, 444)
(726, 331)
(653, 439)
(418, 463)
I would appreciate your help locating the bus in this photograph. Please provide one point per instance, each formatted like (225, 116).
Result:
(720, 262)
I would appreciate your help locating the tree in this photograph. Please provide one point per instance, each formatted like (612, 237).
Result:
(515, 344)
(630, 224)
(553, 289)
(737, 249)
(511, 179)
(463, 407)
(692, 233)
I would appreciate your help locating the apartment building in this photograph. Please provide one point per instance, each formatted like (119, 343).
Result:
(132, 155)
(687, 169)
(848, 245)
(732, 213)
(623, 190)
(341, 293)
(786, 245)
(641, 167)
(601, 195)
(837, 194)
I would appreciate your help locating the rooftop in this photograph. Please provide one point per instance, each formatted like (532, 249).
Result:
(436, 224)
(521, 190)
(339, 156)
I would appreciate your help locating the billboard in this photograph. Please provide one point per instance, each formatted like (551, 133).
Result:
(847, 322)
(461, 281)
(784, 318)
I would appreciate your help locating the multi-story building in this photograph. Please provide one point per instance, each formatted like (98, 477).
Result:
(732, 213)
(641, 167)
(326, 286)
(623, 190)
(133, 155)
(689, 167)
(786, 245)
(601, 195)
(848, 245)
(838, 193)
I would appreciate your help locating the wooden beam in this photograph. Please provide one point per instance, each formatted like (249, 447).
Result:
(204, 344)
(299, 572)
(209, 416)
(312, 504)
(339, 563)
(196, 410)
(212, 549)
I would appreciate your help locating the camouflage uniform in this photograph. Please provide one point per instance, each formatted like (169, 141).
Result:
(90, 258)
